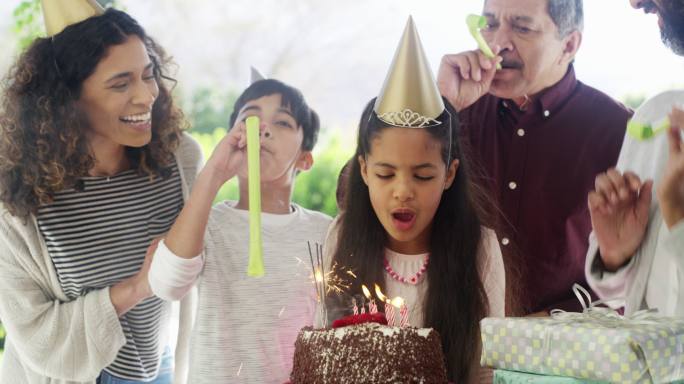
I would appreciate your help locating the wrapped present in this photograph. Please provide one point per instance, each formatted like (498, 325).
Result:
(597, 344)
(513, 377)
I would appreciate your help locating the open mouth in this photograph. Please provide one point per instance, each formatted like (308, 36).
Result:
(403, 219)
(510, 65)
(139, 119)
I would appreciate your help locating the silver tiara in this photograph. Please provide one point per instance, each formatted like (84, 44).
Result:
(408, 119)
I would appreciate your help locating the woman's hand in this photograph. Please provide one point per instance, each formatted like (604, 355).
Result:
(128, 293)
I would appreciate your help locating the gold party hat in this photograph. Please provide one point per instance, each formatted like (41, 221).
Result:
(59, 14)
(255, 75)
(409, 96)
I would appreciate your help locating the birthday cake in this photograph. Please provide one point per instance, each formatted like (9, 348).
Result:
(355, 351)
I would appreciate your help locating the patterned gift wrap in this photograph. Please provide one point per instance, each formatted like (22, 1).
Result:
(513, 377)
(615, 349)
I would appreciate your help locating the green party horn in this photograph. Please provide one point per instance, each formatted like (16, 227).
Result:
(475, 23)
(651, 118)
(641, 131)
(255, 268)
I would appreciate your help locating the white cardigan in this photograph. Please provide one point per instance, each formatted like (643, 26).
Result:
(50, 339)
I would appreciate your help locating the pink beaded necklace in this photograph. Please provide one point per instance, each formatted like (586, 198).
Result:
(413, 280)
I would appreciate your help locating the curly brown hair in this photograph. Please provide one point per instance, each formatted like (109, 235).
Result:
(43, 146)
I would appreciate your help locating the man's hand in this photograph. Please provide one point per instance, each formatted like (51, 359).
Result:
(465, 77)
(619, 208)
(671, 189)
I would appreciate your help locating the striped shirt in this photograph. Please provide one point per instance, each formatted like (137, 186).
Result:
(98, 236)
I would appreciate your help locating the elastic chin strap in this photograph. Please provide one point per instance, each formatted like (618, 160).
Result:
(54, 57)
(451, 133)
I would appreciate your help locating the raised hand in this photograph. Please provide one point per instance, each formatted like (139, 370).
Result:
(465, 77)
(619, 208)
(671, 188)
(229, 154)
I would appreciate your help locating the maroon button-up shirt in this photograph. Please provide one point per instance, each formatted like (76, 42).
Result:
(541, 163)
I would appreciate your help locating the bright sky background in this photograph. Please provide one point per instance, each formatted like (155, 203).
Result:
(338, 52)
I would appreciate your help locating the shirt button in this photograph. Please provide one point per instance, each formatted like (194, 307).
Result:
(521, 132)
(512, 185)
(547, 113)
(505, 241)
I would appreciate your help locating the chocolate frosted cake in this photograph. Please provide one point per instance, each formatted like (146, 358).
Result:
(368, 353)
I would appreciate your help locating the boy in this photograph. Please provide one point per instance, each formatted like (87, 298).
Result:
(246, 327)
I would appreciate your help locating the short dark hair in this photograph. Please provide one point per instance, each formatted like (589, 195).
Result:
(568, 15)
(292, 98)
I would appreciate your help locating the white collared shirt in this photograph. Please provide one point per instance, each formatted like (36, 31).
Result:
(665, 279)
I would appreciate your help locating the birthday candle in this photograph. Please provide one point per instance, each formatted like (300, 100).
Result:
(404, 315)
(389, 313)
(356, 309)
(372, 308)
(255, 267)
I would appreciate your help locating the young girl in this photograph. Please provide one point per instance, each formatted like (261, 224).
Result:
(412, 222)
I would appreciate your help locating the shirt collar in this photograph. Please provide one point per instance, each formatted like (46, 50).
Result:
(549, 98)
(553, 96)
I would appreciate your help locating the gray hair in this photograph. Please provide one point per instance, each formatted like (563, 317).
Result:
(568, 15)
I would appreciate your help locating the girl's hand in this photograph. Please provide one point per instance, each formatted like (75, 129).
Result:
(229, 155)
(619, 208)
(465, 77)
(671, 189)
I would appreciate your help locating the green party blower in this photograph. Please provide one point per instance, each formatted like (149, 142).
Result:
(475, 23)
(255, 268)
(651, 118)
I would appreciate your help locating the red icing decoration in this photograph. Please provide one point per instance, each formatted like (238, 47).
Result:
(360, 319)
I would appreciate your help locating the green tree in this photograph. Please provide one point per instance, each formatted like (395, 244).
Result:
(208, 109)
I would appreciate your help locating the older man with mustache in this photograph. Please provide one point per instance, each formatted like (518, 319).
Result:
(637, 247)
(541, 137)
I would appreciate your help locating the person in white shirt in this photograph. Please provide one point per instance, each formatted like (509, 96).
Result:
(246, 327)
(637, 247)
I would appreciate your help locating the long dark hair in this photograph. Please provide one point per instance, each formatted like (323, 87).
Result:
(43, 146)
(455, 301)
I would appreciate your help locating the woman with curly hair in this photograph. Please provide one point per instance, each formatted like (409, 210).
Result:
(93, 167)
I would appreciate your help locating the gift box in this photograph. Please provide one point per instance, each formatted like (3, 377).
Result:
(595, 345)
(513, 377)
